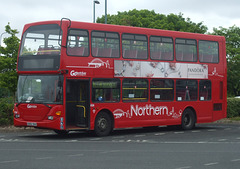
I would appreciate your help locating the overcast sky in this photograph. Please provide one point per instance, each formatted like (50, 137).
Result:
(213, 13)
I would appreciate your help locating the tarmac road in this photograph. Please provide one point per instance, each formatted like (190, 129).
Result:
(208, 146)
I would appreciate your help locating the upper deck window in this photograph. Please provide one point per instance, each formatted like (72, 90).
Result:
(208, 52)
(134, 46)
(161, 48)
(41, 40)
(40, 48)
(105, 44)
(186, 50)
(78, 43)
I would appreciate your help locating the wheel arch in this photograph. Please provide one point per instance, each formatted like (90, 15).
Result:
(110, 115)
(193, 110)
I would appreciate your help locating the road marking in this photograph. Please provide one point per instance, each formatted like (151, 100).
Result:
(75, 155)
(222, 140)
(238, 138)
(196, 131)
(43, 158)
(227, 128)
(111, 151)
(11, 161)
(184, 167)
(95, 139)
(234, 160)
(143, 135)
(208, 164)
(179, 132)
(159, 134)
(212, 130)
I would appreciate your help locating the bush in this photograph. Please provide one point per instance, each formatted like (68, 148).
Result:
(6, 111)
(233, 107)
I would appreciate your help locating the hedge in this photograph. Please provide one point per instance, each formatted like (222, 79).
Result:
(6, 111)
(233, 107)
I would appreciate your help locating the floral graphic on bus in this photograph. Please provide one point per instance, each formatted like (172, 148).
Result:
(118, 113)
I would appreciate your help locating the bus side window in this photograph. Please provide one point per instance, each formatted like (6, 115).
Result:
(161, 90)
(135, 90)
(105, 44)
(134, 46)
(205, 90)
(208, 52)
(78, 43)
(161, 48)
(186, 50)
(186, 90)
(105, 90)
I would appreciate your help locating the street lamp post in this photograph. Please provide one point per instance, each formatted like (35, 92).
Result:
(105, 11)
(94, 2)
(1, 38)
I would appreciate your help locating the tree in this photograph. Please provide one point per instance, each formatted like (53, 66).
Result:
(232, 35)
(150, 19)
(8, 60)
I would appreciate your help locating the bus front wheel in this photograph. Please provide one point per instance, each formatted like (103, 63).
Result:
(103, 124)
(188, 119)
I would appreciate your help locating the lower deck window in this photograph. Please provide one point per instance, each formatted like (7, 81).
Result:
(105, 90)
(161, 90)
(186, 90)
(135, 90)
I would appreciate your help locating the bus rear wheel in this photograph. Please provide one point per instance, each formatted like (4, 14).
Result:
(103, 124)
(188, 119)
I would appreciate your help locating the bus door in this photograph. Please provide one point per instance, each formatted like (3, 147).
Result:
(77, 103)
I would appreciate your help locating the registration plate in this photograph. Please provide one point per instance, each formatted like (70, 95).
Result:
(31, 124)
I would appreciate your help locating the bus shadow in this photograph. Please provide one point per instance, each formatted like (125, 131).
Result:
(83, 135)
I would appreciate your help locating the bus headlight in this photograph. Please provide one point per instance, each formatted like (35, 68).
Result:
(50, 117)
(16, 115)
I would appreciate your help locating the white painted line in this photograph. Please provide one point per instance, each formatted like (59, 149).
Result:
(212, 130)
(95, 139)
(222, 140)
(43, 158)
(234, 160)
(159, 134)
(112, 151)
(75, 155)
(179, 132)
(11, 161)
(227, 128)
(196, 131)
(238, 138)
(143, 135)
(184, 167)
(208, 164)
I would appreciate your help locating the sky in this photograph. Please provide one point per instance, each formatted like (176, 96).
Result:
(213, 13)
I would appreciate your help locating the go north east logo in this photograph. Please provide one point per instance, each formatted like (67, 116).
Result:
(147, 110)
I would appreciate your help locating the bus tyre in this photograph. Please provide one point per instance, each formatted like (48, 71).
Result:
(103, 124)
(188, 119)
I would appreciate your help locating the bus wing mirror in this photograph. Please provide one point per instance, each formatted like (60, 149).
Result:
(60, 31)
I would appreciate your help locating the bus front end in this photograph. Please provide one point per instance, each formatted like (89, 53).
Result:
(39, 101)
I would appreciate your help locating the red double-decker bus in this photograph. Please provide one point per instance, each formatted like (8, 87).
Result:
(85, 76)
